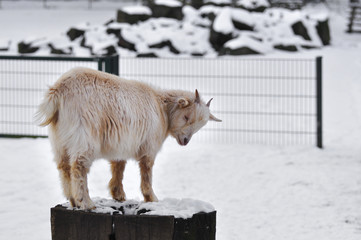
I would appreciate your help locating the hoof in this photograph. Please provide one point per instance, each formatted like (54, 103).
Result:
(120, 199)
(84, 204)
(150, 198)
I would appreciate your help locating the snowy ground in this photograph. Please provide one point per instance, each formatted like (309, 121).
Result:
(260, 192)
(26, 19)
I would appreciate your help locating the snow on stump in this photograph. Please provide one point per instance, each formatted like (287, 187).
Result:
(243, 45)
(4, 45)
(167, 219)
(222, 29)
(133, 14)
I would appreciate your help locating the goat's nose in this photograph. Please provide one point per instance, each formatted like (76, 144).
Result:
(185, 141)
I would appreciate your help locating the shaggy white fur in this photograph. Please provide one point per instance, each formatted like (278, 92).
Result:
(96, 115)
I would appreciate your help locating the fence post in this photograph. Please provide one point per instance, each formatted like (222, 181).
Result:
(351, 20)
(100, 64)
(319, 101)
(112, 65)
(115, 64)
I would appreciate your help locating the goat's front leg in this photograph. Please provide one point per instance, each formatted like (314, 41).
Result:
(79, 184)
(115, 183)
(146, 167)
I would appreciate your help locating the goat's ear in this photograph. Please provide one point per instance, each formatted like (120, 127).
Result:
(182, 102)
(213, 118)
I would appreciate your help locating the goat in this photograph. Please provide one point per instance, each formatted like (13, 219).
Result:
(92, 115)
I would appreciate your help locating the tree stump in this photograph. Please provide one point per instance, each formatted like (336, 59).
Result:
(69, 224)
(73, 224)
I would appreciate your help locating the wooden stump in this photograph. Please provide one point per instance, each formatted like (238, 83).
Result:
(68, 224)
(76, 224)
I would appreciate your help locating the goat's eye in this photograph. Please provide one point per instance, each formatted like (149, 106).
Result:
(186, 118)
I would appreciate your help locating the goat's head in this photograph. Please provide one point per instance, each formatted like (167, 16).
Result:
(190, 115)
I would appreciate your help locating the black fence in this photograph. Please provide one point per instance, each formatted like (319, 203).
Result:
(260, 100)
(354, 18)
(23, 82)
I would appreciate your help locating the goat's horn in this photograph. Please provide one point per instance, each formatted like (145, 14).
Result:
(209, 102)
(198, 99)
(213, 118)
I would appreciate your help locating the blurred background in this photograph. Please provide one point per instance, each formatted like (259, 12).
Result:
(285, 78)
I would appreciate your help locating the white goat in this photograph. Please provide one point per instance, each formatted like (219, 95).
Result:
(96, 115)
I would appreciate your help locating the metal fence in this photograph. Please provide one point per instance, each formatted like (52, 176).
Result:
(23, 82)
(79, 3)
(260, 100)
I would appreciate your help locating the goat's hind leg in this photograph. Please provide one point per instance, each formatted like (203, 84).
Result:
(116, 182)
(62, 159)
(79, 183)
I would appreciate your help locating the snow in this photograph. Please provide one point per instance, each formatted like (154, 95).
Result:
(191, 35)
(19, 22)
(183, 208)
(186, 37)
(169, 3)
(223, 22)
(292, 16)
(179, 208)
(4, 43)
(275, 26)
(260, 192)
(137, 10)
(243, 16)
(248, 40)
(192, 16)
(210, 9)
(98, 39)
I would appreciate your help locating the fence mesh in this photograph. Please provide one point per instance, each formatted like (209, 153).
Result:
(259, 100)
(22, 86)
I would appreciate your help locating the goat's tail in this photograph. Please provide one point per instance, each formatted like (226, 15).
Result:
(49, 108)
